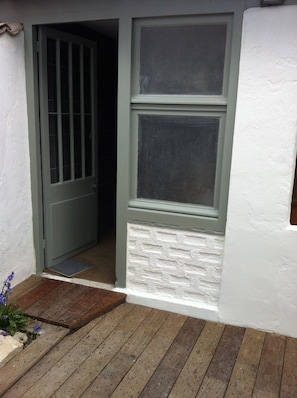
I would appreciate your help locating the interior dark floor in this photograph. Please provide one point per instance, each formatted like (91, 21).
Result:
(102, 259)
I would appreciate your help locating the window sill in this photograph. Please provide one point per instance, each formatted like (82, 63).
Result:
(207, 224)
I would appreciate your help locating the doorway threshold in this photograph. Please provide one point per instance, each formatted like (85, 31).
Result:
(79, 281)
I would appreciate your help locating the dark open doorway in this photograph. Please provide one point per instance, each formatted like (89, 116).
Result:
(101, 256)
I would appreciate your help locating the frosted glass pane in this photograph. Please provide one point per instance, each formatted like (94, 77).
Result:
(182, 59)
(177, 157)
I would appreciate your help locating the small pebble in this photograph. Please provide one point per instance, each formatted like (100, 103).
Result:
(21, 337)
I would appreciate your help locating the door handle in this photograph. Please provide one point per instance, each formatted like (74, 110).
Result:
(94, 187)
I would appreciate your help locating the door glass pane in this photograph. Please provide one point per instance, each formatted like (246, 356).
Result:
(177, 157)
(52, 75)
(77, 146)
(88, 146)
(76, 70)
(70, 96)
(64, 67)
(76, 78)
(54, 154)
(66, 147)
(88, 111)
(87, 80)
(182, 59)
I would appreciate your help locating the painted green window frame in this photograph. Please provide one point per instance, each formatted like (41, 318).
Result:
(204, 218)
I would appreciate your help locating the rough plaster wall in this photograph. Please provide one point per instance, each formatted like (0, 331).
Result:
(16, 236)
(259, 285)
(172, 264)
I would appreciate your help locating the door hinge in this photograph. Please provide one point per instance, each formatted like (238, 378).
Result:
(38, 46)
(43, 243)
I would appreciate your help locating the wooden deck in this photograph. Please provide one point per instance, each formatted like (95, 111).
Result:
(135, 351)
(63, 303)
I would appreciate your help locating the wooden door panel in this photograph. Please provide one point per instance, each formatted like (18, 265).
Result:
(73, 226)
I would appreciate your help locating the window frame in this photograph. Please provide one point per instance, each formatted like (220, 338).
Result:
(183, 208)
(210, 219)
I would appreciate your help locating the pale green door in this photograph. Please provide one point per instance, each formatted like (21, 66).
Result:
(68, 144)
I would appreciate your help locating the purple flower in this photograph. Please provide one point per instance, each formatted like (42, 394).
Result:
(6, 289)
(3, 333)
(10, 277)
(5, 316)
(37, 329)
(2, 299)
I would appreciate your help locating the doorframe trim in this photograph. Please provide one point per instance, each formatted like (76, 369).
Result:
(123, 146)
(32, 91)
(31, 64)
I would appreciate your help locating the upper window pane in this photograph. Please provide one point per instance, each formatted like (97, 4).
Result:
(182, 60)
(177, 158)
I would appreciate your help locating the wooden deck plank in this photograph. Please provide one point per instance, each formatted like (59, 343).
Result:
(244, 373)
(67, 304)
(225, 356)
(49, 361)
(107, 381)
(137, 378)
(289, 379)
(212, 388)
(39, 291)
(270, 369)
(80, 305)
(170, 367)
(52, 380)
(107, 303)
(60, 307)
(87, 302)
(223, 361)
(51, 300)
(192, 375)
(25, 286)
(19, 365)
(85, 374)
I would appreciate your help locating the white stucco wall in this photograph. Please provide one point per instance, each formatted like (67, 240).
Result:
(259, 284)
(16, 236)
(174, 269)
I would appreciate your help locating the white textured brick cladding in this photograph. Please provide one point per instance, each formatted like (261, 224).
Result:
(178, 264)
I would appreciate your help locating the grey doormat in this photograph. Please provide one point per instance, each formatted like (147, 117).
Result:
(70, 267)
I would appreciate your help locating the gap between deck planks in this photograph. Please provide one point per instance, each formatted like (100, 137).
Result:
(64, 303)
(136, 351)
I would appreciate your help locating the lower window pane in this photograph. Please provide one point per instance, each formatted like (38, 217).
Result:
(177, 158)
